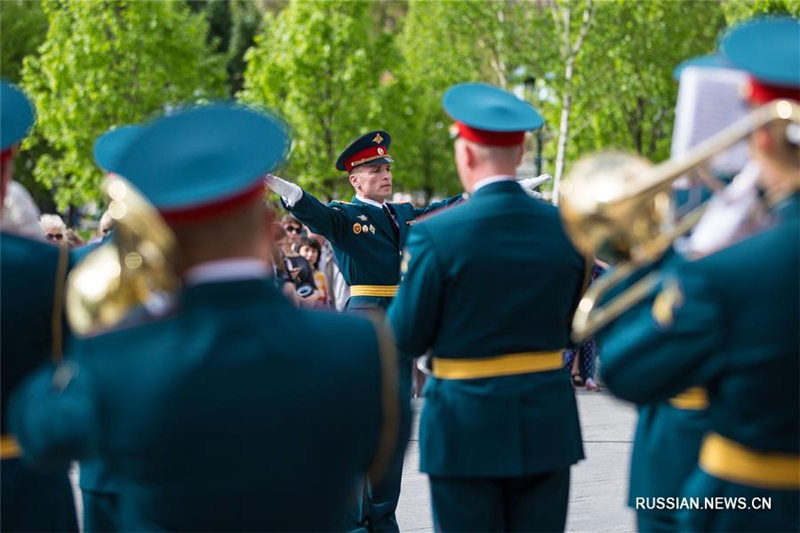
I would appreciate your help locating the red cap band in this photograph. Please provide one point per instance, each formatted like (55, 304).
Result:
(5, 155)
(761, 93)
(365, 156)
(208, 211)
(490, 138)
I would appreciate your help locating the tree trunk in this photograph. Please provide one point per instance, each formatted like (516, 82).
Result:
(570, 53)
(563, 131)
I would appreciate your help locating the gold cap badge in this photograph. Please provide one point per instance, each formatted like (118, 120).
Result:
(377, 139)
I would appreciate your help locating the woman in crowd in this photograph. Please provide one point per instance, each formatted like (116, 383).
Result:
(310, 249)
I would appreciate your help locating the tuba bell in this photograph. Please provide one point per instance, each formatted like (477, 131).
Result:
(619, 207)
(134, 269)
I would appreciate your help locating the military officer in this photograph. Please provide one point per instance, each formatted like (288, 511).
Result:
(211, 416)
(499, 429)
(367, 233)
(31, 332)
(727, 321)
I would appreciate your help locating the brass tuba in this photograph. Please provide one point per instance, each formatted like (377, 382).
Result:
(619, 207)
(133, 269)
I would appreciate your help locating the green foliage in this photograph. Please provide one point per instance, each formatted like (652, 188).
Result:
(740, 10)
(23, 25)
(335, 69)
(233, 25)
(245, 23)
(443, 43)
(627, 93)
(105, 64)
(318, 66)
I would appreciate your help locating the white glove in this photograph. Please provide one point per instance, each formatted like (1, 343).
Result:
(290, 192)
(529, 184)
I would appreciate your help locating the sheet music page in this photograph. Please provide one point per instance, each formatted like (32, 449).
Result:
(709, 100)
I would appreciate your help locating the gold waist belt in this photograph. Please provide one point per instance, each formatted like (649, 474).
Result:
(9, 447)
(731, 461)
(693, 398)
(501, 365)
(384, 291)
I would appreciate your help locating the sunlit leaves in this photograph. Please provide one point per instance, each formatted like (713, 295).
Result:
(105, 64)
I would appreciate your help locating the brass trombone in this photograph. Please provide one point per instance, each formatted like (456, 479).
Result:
(131, 270)
(619, 207)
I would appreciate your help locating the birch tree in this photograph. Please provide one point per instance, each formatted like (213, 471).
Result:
(565, 13)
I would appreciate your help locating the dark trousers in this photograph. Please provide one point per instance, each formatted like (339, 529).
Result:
(31, 500)
(528, 503)
(375, 510)
(100, 511)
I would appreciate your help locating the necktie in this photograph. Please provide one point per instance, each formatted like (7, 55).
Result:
(392, 222)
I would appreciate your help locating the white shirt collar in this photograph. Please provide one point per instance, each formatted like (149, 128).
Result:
(370, 202)
(234, 269)
(492, 179)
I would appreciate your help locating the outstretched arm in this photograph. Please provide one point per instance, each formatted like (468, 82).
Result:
(447, 202)
(328, 221)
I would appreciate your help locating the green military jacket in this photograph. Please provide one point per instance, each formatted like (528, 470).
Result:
(363, 241)
(32, 331)
(728, 321)
(29, 278)
(496, 275)
(229, 414)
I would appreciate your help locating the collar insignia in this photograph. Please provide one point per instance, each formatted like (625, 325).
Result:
(666, 303)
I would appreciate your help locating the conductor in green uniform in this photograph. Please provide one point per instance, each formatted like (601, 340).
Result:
(31, 332)
(489, 288)
(209, 415)
(728, 321)
(368, 233)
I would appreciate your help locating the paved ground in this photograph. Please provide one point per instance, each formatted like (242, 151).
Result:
(599, 483)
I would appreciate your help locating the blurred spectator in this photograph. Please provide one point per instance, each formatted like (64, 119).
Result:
(580, 360)
(281, 275)
(294, 230)
(53, 228)
(74, 240)
(338, 290)
(106, 224)
(20, 214)
(103, 228)
(311, 250)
